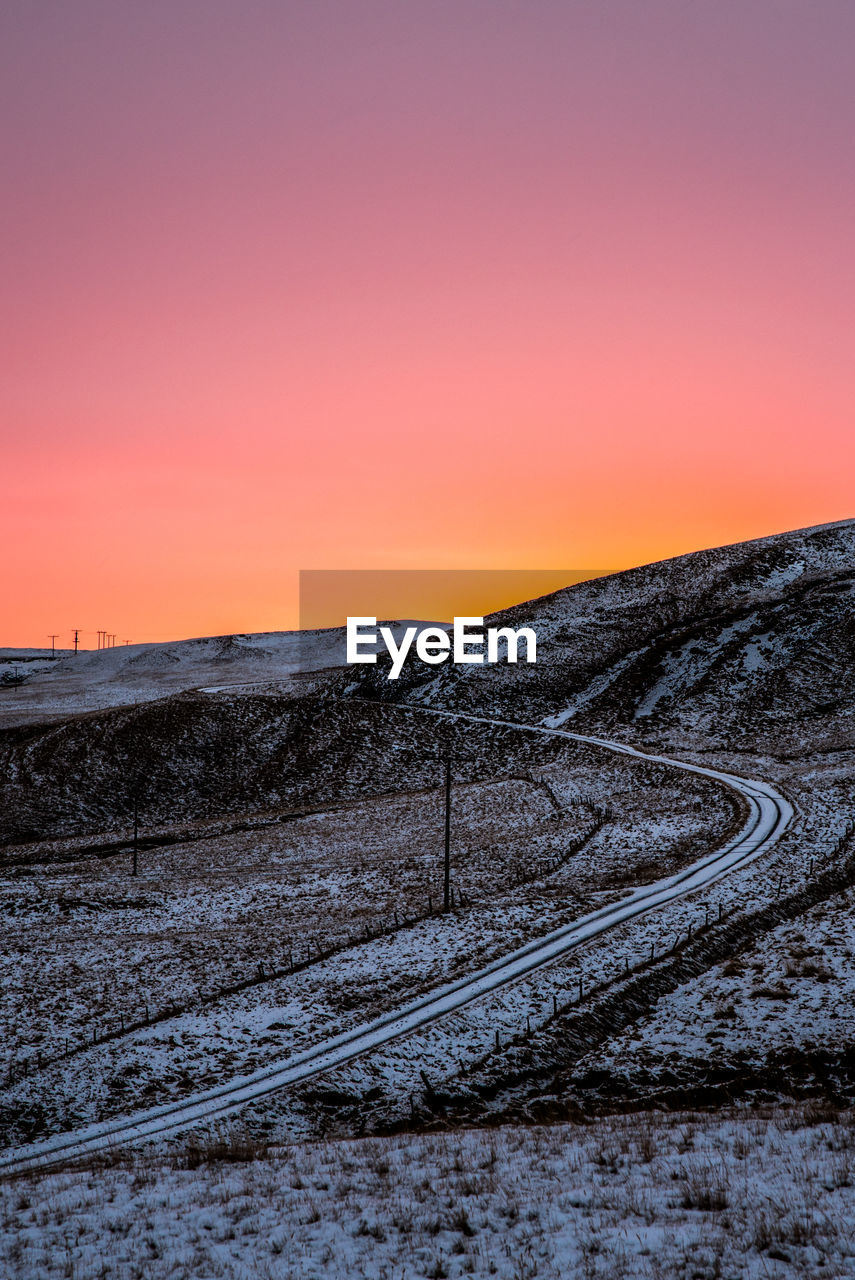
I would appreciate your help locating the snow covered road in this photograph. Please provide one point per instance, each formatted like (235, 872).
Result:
(768, 816)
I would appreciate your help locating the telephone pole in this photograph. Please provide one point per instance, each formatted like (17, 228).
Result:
(446, 883)
(76, 631)
(53, 640)
(136, 832)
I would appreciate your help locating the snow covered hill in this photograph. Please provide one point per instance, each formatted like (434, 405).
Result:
(94, 679)
(752, 644)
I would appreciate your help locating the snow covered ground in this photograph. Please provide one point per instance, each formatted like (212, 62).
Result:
(759, 1196)
(37, 686)
(87, 946)
(92, 680)
(781, 1010)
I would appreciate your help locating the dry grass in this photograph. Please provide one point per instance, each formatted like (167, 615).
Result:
(643, 1197)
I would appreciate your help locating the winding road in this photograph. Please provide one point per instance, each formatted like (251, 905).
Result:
(768, 816)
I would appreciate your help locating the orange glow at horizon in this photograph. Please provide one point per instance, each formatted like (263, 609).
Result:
(383, 286)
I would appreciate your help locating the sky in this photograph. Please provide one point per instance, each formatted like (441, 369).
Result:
(372, 284)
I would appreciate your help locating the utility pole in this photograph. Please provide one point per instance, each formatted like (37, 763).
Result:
(53, 640)
(76, 631)
(446, 883)
(136, 831)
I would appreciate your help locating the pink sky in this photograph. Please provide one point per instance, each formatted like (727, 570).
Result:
(366, 285)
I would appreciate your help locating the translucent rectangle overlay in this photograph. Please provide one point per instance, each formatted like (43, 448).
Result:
(328, 597)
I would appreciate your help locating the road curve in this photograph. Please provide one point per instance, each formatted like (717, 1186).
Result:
(768, 816)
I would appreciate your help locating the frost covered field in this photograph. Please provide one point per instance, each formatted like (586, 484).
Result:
(696, 1062)
(41, 687)
(759, 1196)
(775, 1015)
(89, 951)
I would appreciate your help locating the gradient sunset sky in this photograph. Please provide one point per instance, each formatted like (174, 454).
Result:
(373, 284)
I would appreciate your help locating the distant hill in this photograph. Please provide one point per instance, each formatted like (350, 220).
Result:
(754, 642)
(36, 687)
(748, 648)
